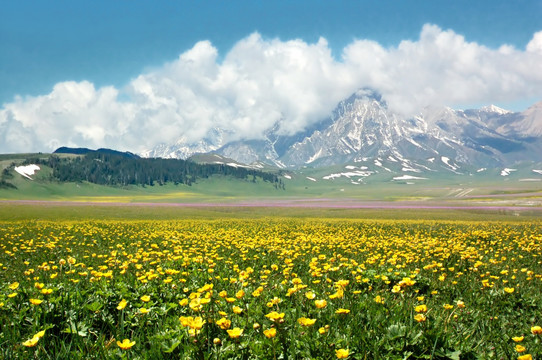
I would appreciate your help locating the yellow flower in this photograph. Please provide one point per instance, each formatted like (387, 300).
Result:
(237, 310)
(183, 302)
(320, 304)
(223, 323)
(420, 317)
(421, 308)
(122, 304)
(144, 310)
(525, 357)
(342, 353)
(536, 330)
(275, 316)
(14, 286)
(39, 286)
(520, 348)
(35, 301)
(342, 311)
(518, 338)
(13, 294)
(306, 321)
(460, 304)
(240, 294)
(235, 333)
(322, 330)
(46, 291)
(145, 298)
(256, 326)
(509, 290)
(310, 295)
(125, 344)
(448, 306)
(379, 299)
(270, 333)
(32, 342)
(396, 289)
(217, 341)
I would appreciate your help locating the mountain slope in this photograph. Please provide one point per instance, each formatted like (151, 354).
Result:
(363, 129)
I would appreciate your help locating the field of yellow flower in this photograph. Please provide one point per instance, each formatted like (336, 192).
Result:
(270, 289)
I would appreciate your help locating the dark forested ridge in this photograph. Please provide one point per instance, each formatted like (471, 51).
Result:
(117, 169)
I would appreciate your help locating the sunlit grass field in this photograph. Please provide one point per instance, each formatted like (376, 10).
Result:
(269, 288)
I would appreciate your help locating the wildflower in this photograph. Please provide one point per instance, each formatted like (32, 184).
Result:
(31, 342)
(320, 304)
(396, 289)
(460, 304)
(342, 353)
(240, 294)
(13, 294)
(448, 306)
(520, 348)
(145, 298)
(125, 344)
(237, 310)
(223, 323)
(217, 341)
(235, 333)
(144, 310)
(525, 357)
(122, 304)
(256, 326)
(275, 316)
(310, 295)
(306, 321)
(34, 341)
(46, 291)
(322, 330)
(509, 290)
(536, 330)
(183, 302)
(518, 338)
(379, 299)
(342, 311)
(420, 317)
(421, 308)
(270, 333)
(14, 286)
(35, 301)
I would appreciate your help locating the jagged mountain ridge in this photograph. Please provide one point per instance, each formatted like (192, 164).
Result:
(362, 128)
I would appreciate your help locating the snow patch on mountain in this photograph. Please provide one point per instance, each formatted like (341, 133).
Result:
(27, 170)
(408, 177)
(506, 172)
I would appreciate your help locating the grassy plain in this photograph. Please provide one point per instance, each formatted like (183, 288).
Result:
(103, 281)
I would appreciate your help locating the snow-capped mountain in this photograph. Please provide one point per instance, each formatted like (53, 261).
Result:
(362, 129)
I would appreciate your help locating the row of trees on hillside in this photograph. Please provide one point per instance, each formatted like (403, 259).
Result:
(114, 169)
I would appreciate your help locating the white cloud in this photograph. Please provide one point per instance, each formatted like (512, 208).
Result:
(262, 81)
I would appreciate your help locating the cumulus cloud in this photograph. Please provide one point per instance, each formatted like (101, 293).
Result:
(261, 82)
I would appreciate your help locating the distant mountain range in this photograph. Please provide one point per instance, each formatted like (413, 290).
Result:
(362, 131)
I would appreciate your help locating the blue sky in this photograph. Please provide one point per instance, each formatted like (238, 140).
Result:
(93, 47)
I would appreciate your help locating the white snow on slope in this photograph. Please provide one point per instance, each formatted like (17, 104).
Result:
(506, 172)
(27, 170)
(409, 177)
